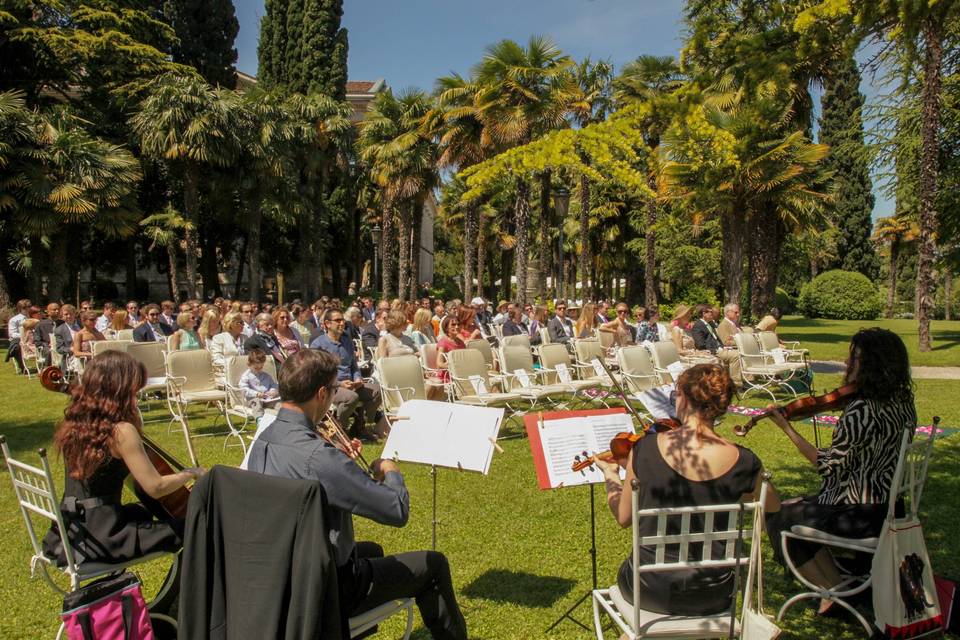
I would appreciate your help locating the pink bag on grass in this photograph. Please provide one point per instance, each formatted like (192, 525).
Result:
(109, 609)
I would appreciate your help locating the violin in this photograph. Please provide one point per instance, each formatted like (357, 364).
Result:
(332, 431)
(806, 407)
(622, 443)
(174, 504)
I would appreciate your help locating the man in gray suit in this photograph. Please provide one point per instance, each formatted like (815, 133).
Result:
(560, 326)
(64, 333)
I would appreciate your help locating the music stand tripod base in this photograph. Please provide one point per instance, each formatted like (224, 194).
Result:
(593, 565)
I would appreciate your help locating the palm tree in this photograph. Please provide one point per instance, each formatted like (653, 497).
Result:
(591, 101)
(895, 232)
(519, 96)
(650, 79)
(402, 161)
(187, 123)
(165, 229)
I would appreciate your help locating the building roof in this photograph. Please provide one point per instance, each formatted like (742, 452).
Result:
(365, 87)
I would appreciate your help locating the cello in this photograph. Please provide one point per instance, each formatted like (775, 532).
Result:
(171, 506)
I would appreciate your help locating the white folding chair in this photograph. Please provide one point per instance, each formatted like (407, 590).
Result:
(636, 369)
(760, 372)
(520, 376)
(363, 622)
(635, 622)
(237, 410)
(401, 379)
(191, 380)
(125, 334)
(100, 346)
(37, 494)
(907, 485)
(544, 336)
(586, 351)
(471, 379)
(483, 347)
(554, 357)
(521, 340)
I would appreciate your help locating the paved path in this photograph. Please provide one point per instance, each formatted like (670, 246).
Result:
(936, 373)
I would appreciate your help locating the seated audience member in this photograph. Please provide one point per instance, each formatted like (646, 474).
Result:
(353, 397)
(392, 343)
(371, 332)
(265, 339)
(449, 341)
(368, 310)
(83, 339)
(28, 345)
(680, 329)
(44, 330)
(536, 320)
(856, 470)
(65, 332)
(587, 322)
(133, 315)
(560, 326)
(503, 312)
(624, 332)
(354, 323)
(648, 329)
(86, 305)
(730, 325)
(168, 316)
(422, 332)
(469, 330)
(151, 330)
(480, 314)
(705, 338)
(209, 324)
(246, 313)
(227, 343)
(13, 331)
(258, 387)
(770, 321)
(603, 311)
(291, 447)
(687, 467)
(286, 335)
(118, 323)
(439, 312)
(301, 315)
(185, 338)
(105, 321)
(513, 325)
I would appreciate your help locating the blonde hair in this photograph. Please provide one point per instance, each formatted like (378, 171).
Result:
(396, 320)
(185, 320)
(421, 320)
(229, 319)
(208, 316)
(119, 320)
(587, 319)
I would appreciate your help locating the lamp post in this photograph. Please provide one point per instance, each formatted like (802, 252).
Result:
(561, 202)
(375, 234)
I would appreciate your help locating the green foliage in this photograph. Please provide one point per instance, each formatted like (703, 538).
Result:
(784, 301)
(206, 30)
(323, 50)
(841, 127)
(840, 295)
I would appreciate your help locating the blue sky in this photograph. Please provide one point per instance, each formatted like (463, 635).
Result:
(410, 43)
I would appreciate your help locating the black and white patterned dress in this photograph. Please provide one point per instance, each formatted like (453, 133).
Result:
(856, 474)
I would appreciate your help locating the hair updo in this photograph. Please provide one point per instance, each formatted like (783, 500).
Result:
(708, 390)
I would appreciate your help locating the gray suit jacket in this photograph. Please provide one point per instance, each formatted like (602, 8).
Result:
(557, 331)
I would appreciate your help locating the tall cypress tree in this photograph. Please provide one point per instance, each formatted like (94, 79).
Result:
(323, 50)
(271, 50)
(841, 127)
(207, 30)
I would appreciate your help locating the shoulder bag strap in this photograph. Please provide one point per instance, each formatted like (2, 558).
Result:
(83, 618)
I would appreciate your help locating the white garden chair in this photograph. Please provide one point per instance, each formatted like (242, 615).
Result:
(761, 373)
(634, 622)
(520, 376)
(483, 347)
(907, 486)
(37, 496)
(554, 358)
(191, 380)
(636, 368)
(401, 379)
(237, 410)
(471, 381)
(100, 346)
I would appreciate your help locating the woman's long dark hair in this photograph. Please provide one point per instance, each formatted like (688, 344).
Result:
(106, 395)
(884, 368)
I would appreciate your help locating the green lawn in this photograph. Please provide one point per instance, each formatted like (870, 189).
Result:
(829, 339)
(518, 554)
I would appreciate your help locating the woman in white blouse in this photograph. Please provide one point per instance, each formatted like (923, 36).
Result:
(228, 343)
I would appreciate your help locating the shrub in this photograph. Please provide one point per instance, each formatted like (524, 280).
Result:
(840, 295)
(784, 301)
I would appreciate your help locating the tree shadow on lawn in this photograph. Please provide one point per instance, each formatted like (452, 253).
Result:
(520, 588)
(24, 438)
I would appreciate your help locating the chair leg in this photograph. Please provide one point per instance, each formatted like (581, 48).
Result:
(409, 628)
(597, 625)
(187, 439)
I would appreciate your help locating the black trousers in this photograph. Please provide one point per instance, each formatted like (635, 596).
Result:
(422, 575)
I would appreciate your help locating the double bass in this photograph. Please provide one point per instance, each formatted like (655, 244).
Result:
(171, 506)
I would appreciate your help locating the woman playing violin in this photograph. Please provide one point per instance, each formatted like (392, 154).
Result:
(857, 469)
(688, 466)
(99, 439)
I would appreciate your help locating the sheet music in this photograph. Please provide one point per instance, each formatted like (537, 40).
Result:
(605, 427)
(658, 402)
(523, 378)
(565, 439)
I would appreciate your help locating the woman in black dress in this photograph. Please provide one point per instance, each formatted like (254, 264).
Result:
(857, 469)
(686, 467)
(99, 439)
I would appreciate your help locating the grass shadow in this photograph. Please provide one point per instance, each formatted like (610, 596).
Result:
(519, 588)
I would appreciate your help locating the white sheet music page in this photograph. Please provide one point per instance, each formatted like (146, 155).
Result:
(565, 439)
(657, 401)
(444, 434)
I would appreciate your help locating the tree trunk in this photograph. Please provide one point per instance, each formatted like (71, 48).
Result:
(546, 224)
(253, 253)
(471, 253)
(521, 219)
(241, 259)
(586, 255)
(358, 262)
(191, 205)
(403, 235)
(416, 227)
(650, 298)
(388, 246)
(210, 273)
(892, 290)
(764, 262)
(174, 274)
(947, 292)
(929, 170)
(60, 276)
(732, 229)
(481, 259)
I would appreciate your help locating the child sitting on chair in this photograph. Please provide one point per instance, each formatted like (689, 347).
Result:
(258, 387)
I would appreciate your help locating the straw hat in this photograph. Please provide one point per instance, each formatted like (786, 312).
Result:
(681, 311)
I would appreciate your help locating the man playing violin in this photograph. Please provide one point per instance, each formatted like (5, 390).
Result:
(857, 469)
(291, 447)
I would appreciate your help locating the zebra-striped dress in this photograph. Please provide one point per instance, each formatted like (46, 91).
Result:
(859, 465)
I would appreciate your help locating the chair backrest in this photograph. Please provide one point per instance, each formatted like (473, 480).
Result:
(635, 361)
(521, 340)
(36, 493)
(911, 472)
(195, 366)
(150, 354)
(768, 340)
(483, 347)
(358, 350)
(99, 346)
(464, 363)
(664, 354)
(550, 356)
(125, 334)
(544, 336)
(607, 339)
(513, 358)
(403, 373)
(588, 349)
(739, 517)
(428, 355)
(749, 350)
(236, 365)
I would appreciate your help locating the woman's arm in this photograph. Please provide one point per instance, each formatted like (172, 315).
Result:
(203, 343)
(382, 349)
(129, 446)
(806, 449)
(175, 341)
(619, 494)
(75, 347)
